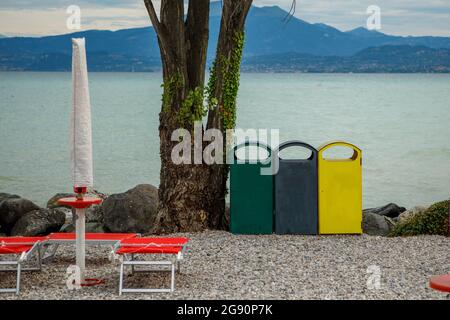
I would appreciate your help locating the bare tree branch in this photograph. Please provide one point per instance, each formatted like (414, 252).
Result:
(291, 12)
(153, 16)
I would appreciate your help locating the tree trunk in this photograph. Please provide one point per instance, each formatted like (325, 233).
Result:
(225, 73)
(191, 197)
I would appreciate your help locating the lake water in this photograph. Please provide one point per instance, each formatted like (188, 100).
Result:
(401, 122)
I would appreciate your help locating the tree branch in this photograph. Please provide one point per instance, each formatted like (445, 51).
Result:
(291, 12)
(152, 14)
(197, 35)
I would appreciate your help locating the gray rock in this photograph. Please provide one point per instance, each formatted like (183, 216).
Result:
(52, 203)
(94, 214)
(376, 225)
(91, 227)
(39, 222)
(68, 227)
(4, 196)
(132, 211)
(94, 227)
(408, 214)
(68, 214)
(12, 209)
(390, 210)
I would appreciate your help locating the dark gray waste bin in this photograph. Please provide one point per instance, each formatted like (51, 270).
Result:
(295, 192)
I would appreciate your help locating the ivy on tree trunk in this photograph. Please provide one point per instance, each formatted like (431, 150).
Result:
(192, 197)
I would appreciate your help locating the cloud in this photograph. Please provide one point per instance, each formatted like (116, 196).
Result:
(53, 4)
(36, 22)
(400, 17)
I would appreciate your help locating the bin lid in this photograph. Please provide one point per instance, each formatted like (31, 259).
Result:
(295, 143)
(250, 143)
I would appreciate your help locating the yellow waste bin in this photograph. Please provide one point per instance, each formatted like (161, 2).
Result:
(340, 191)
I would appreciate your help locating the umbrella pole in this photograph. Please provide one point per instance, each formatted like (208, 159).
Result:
(80, 242)
(80, 204)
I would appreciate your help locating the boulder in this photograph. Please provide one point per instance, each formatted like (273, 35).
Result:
(68, 227)
(91, 227)
(390, 210)
(53, 202)
(376, 225)
(94, 214)
(12, 209)
(39, 222)
(410, 213)
(94, 227)
(68, 213)
(4, 196)
(132, 211)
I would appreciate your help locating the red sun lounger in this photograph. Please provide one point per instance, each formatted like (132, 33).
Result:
(127, 248)
(22, 250)
(55, 239)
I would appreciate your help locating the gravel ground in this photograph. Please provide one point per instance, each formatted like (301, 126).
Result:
(219, 265)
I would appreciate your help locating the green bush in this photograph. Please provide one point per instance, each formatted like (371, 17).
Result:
(433, 220)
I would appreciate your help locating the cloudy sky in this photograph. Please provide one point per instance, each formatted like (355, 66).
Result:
(400, 17)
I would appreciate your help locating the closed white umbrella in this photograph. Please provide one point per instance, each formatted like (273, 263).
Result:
(81, 143)
(81, 151)
(81, 131)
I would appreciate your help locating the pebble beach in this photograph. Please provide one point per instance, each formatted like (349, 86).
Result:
(219, 265)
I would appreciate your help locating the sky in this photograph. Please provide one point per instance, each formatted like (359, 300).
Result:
(398, 17)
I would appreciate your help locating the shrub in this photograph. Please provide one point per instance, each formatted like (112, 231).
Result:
(433, 220)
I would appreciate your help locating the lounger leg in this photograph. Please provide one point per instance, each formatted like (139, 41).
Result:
(49, 252)
(18, 279)
(39, 258)
(121, 279)
(172, 282)
(171, 268)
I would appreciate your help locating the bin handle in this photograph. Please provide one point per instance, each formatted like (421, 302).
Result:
(296, 143)
(328, 145)
(254, 144)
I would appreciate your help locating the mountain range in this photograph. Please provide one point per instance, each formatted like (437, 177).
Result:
(272, 44)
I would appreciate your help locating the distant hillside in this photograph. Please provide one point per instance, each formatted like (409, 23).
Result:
(384, 59)
(267, 33)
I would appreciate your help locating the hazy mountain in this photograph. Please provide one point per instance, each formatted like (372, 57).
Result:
(268, 32)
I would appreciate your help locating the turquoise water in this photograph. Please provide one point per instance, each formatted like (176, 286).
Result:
(402, 123)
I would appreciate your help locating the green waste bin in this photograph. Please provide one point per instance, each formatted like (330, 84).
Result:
(251, 194)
